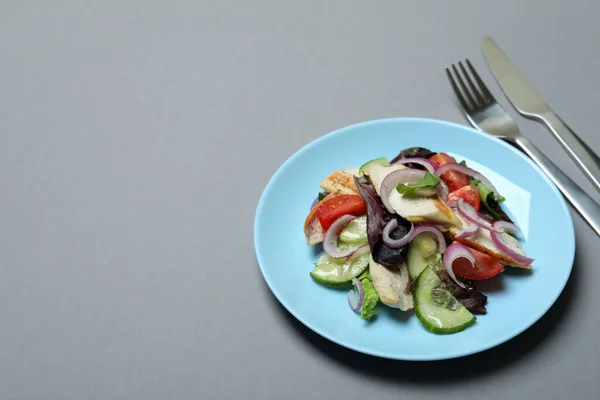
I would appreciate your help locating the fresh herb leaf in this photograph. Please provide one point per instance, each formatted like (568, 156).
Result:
(321, 196)
(463, 162)
(491, 205)
(428, 180)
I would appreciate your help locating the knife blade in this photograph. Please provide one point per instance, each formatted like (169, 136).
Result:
(529, 104)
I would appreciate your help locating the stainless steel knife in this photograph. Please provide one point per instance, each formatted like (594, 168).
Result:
(530, 105)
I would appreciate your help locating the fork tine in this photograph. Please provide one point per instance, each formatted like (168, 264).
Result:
(484, 89)
(457, 91)
(461, 82)
(474, 90)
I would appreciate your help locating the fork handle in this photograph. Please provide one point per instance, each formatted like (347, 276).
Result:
(581, 201)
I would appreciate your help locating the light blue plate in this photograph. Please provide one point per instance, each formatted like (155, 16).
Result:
(532, 200)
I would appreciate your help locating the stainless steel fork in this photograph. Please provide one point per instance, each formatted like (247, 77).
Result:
(484, 113)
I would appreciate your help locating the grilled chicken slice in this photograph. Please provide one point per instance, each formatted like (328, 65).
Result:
(341, 182)
(482, 241)
(416, 210)
(393, 287)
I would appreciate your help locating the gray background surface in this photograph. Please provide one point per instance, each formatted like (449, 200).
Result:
(135, 141)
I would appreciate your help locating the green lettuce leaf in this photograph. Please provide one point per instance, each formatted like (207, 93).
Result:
(485, 192)
(366, 274)
(491, 206)
(428, 181)
(371, 298)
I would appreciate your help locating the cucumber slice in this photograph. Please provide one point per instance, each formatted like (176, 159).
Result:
(355, 232)
(381, 161)
(334, 271)
(436, 308)
(415, 258)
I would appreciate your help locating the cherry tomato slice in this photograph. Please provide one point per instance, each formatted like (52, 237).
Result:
(454, 179)
(334, 208)
(468, 193)
(485, 267)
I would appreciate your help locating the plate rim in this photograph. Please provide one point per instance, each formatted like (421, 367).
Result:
(433, 357)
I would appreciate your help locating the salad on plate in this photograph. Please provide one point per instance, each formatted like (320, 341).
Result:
(413, 233)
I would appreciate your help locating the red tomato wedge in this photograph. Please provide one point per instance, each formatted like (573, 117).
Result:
(334, 208)
(454, 179)
(485, 267)
(468, 193)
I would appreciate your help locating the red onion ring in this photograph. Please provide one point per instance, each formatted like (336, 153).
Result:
(436, 231)
(330, 242)
(393, 179)
(502, 226)
(467, 231)
(357, 295)
(467, 171)
(470, 228)
(485, 217)
(360, 251)
(430, 166)
(454, 252)
(396, 243)
(454, 205)
(469, 212)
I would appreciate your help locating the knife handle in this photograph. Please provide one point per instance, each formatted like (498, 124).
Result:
(585, 157)
(584, 204)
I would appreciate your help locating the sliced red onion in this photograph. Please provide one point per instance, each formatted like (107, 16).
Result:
(468, 230)
(467, 171)
(330, 242)
(430, 166)
(356, 296)
(485, 217)
(393, 179)
(396, 243)
(502, 226)
(469, 212)
(454, 252)
(436, 231)
(454, 205)
(442, 190)
(360, 251)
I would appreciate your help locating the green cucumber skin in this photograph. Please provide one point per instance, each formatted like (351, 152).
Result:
(380, 161)
(361, 237)
(415, 261)
(419, 307)
(343, 280)
(326, 282)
